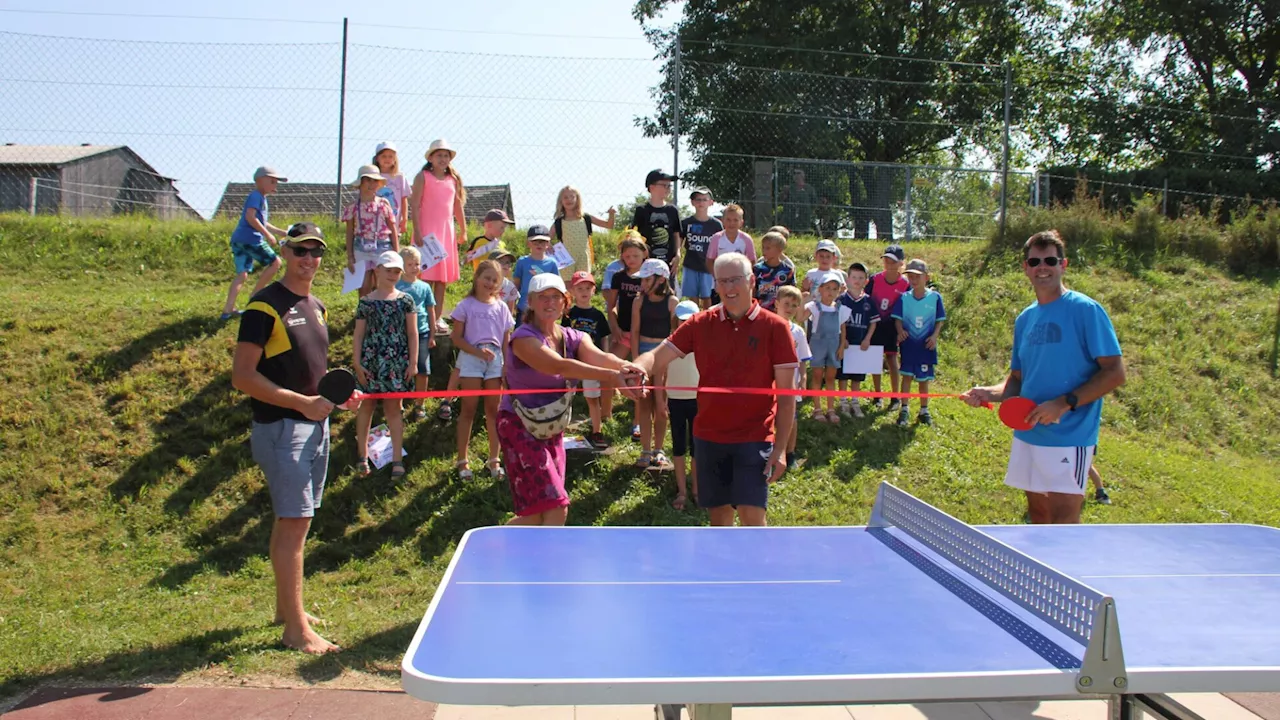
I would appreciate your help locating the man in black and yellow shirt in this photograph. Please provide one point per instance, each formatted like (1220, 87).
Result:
(281, 354)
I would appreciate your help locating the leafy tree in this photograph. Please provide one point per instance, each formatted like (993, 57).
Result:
(888, 81)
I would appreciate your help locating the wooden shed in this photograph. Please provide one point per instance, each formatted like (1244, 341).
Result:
(85, 180)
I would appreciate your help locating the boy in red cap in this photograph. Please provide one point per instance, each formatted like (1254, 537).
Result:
(590, 320)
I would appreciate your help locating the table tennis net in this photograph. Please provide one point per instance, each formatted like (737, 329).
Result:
(1054, 597)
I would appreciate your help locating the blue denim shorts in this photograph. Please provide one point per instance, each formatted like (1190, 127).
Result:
(470, 366)
(696, 284)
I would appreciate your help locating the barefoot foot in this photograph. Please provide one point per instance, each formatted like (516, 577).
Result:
(311, 620)
(309, 642)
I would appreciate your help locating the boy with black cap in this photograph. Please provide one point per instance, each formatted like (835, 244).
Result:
(659, 222)
(537, 261)
(885, 288)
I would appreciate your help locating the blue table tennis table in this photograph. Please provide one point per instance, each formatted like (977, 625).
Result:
(915, 607)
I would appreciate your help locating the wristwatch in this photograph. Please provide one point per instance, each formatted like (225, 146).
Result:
(1072, 400)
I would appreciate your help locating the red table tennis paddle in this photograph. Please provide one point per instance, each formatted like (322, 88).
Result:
(1014, 412)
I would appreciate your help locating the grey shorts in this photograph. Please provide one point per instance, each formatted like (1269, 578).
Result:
(294, 456)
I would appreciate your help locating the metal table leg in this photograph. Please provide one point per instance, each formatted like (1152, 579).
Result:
(1136, 707)
(696, 712)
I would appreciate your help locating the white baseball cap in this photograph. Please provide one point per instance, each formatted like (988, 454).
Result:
(391, 259)
(652, 267)
(546, 281)
(827, 245)
(830, 276)
(388, 145)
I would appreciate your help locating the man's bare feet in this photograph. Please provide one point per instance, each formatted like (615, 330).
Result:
(311, 620)
(309, 642)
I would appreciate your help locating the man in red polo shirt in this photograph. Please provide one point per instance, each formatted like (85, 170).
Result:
(736, 344)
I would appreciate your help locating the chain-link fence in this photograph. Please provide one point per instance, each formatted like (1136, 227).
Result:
(829, 143)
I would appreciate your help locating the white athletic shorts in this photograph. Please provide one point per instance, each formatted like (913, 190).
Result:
(1039, 469)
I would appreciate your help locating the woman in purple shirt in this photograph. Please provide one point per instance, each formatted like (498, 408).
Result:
(542, 354)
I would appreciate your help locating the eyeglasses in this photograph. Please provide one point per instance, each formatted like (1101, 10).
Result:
(1051, 261)
(730, 281)
(315, 252)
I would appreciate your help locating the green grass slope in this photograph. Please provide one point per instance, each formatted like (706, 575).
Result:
(133, 523)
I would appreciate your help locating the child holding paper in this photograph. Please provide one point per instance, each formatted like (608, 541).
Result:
(371, 227)
(572, 226)
(385, 356)
(826, 321)
(918, 316)
(495, 224)
(863, 317)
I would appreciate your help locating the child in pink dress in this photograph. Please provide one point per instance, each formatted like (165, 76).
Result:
(437, 204)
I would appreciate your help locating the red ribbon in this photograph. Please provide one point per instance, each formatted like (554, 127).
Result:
(709, 390)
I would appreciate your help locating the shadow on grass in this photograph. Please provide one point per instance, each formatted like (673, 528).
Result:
(164, 663)
(196, 429)
(109, 366)
(873, 445)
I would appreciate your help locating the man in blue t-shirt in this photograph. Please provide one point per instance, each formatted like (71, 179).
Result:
(252, 239)
(1066, 358)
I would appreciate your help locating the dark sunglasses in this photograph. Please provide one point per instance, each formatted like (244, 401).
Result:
(299, 251)
(1051, 261)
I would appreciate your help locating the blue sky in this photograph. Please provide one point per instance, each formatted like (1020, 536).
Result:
(529, 96)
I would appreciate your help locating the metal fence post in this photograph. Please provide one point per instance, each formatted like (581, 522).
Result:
(908, 231)
(1004, 161)
(35, 189)
(675, 124)
(342, 122)
(1164, 199)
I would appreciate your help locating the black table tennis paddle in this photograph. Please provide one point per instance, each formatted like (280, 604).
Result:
(337, 386)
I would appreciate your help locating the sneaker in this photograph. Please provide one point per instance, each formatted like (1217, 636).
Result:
(635, 433)
(792, 460)
(844, 410)
(894, 404)
(227, 316)
(597, 440)
(1102, 497)
(924, 417)
(857, 410)
(904, 418)
(877, 404)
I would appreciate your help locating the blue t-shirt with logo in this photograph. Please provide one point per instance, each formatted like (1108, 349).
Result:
(526, 268)
(697, 237)
(1056, 347)
(244, 234)
(423, 298)
(862, 312)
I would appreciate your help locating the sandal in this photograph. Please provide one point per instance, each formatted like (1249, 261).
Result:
(419, 413)
(363, 469)
(834, 417)
(397, 470)
(819, 415)
(445, 413)
(644, 461)
(464, 472)
(495, 470)
(660, 461)
(678, 503)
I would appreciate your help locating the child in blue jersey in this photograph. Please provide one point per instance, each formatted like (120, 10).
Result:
(863, 318)
(537, 261)
(918, 316)
(252, 239)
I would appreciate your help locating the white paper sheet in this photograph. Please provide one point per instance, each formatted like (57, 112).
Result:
(482, 251)
(576, 442)
(860, 362)
(561, 255)
(352, 280)
(432, 251)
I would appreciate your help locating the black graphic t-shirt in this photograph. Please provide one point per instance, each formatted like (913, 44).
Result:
(659, 226)
(589, 321)
(697, 237)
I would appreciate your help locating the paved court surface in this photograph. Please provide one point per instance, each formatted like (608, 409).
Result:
(183, 703)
